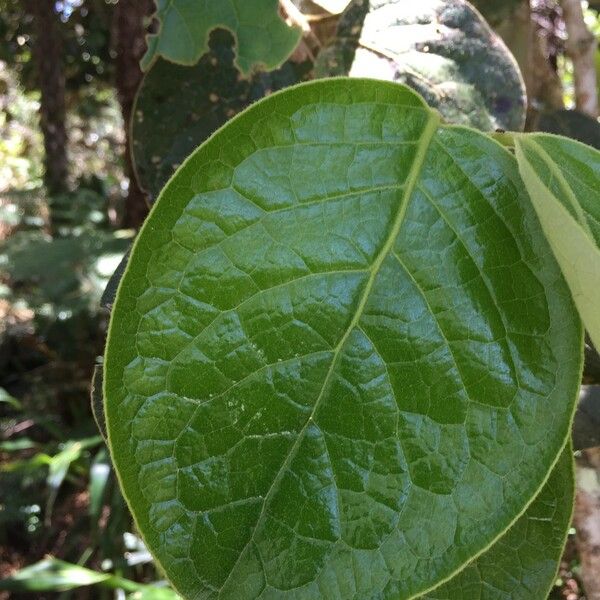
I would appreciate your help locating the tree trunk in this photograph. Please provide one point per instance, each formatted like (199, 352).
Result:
(47, 51)
(546, 90)
(516, 31)
(530, 46)
(581, 49)
(130, 45)
(587, 520)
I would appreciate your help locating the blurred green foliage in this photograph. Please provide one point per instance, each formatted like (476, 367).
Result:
(58, 493)
(85, 29)
(20, 139)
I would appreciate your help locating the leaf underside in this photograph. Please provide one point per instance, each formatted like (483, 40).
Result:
(561, 176)
(342, 359)
(263, 39)
(443, 49)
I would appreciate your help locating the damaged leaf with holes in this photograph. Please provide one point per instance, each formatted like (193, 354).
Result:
(263, 39)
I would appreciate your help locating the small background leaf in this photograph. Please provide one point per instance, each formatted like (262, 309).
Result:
(59, 464)
(177, 108)
(561, 177)
(53, 575)
(97, 400)
(586, 427)
(262, 37)
(6, 398)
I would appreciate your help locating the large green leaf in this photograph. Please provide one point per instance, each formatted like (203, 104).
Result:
(522, 564)
(342, 359)
(177, 108)
(561, 176)
(263, 39)
(442, 48)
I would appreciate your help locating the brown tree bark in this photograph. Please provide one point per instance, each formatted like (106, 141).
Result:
(516, 32)
(546, 89)
(581, 49)
(47, 51)
(531, 48)
(130, 45)
(587, 520)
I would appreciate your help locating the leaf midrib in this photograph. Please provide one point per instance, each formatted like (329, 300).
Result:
(411, 181)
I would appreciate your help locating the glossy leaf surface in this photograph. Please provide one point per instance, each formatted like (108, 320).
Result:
(342, 359)
(522, 564)
(562, 177)
(443, 49)
(263, 39)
